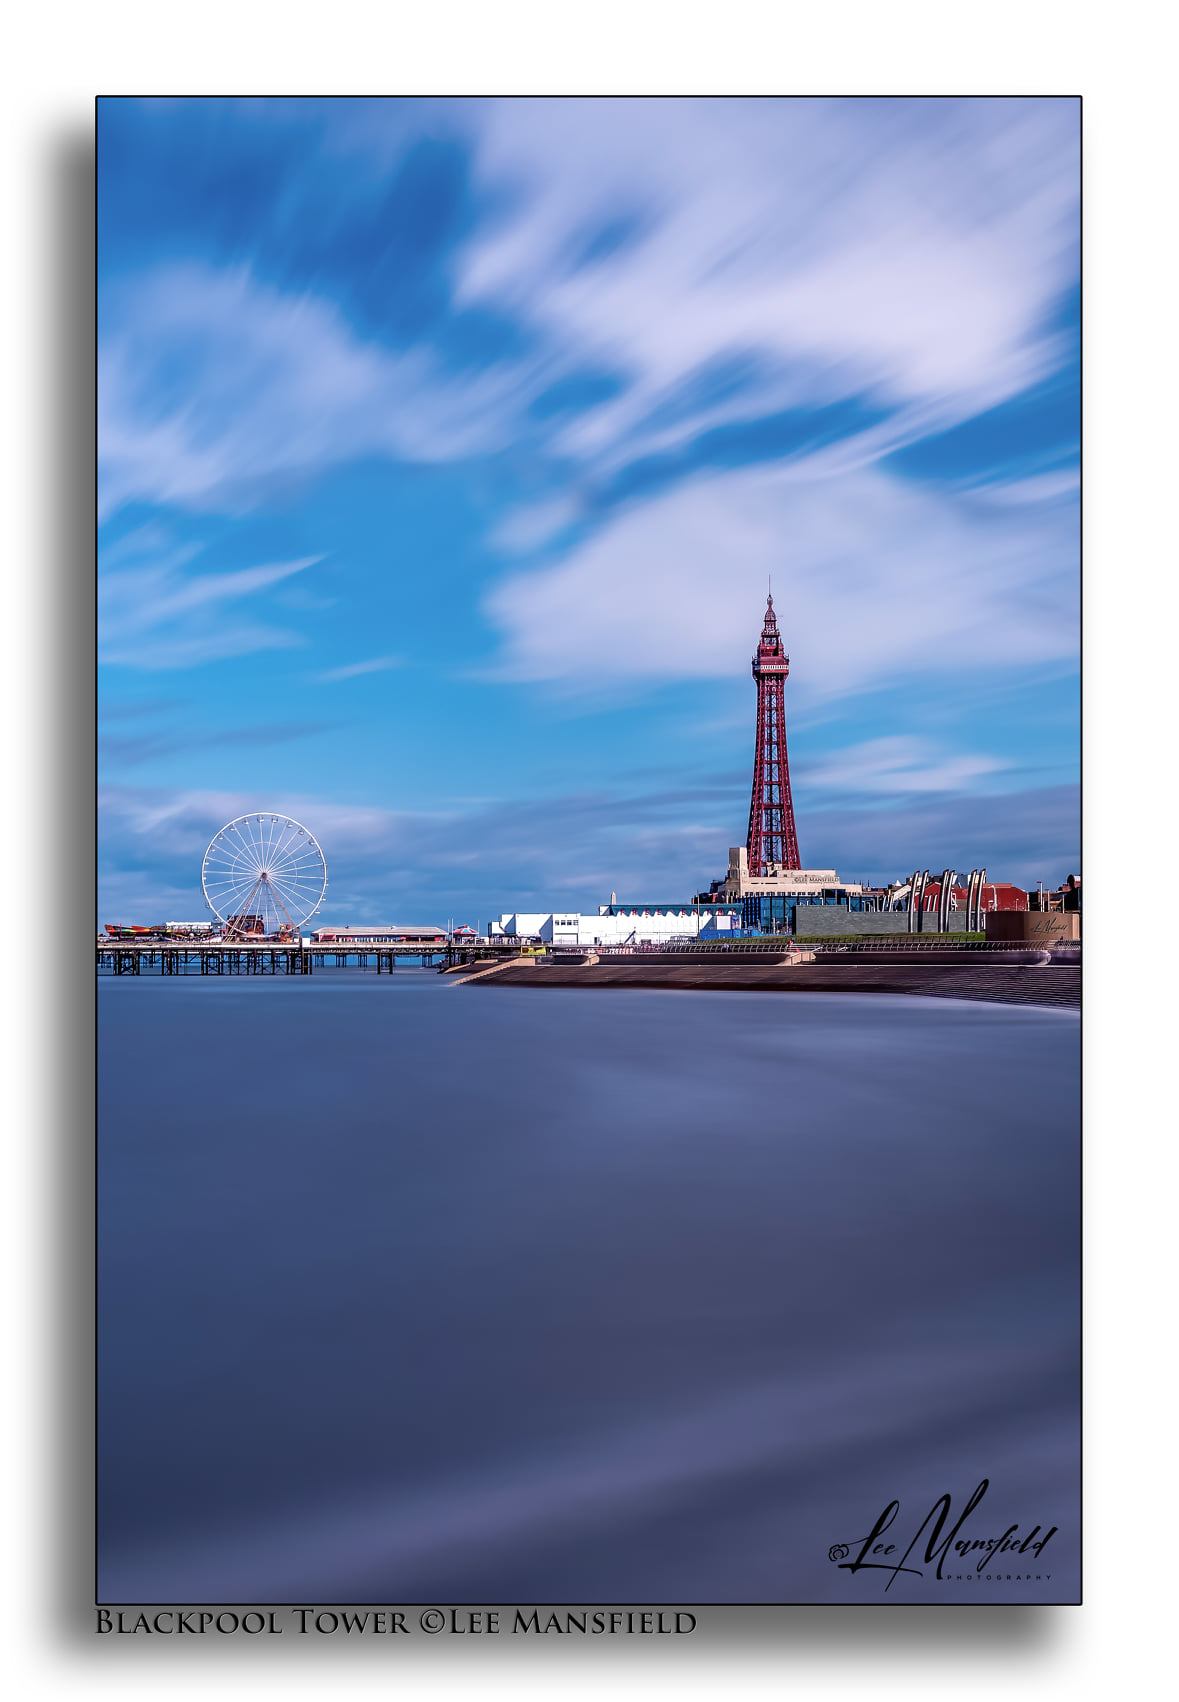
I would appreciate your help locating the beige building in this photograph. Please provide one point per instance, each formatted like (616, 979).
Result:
(802, 883)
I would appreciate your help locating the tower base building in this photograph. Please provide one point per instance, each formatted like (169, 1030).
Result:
(778, 881)
(768, 901)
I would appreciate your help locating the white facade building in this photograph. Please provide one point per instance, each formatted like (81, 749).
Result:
(619, 924)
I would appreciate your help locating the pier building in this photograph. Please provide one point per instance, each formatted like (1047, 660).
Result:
(159, 930)
(380, 934)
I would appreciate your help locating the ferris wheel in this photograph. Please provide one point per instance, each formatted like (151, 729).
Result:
(263, 875)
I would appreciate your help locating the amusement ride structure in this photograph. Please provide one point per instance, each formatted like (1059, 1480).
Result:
(263, 876)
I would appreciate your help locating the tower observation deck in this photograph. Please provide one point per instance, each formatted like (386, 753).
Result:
(772, 842)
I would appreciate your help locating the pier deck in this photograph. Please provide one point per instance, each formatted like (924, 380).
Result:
(194, 958)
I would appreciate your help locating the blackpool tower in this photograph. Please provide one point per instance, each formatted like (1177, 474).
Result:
(772, 839)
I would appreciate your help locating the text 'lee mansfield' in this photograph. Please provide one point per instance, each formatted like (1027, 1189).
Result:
(881, 1549)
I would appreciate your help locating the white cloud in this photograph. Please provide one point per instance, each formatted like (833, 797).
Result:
(873, 577)
(528, 527)
(352, 670)
(212, 383)
(911, 249)
(154, 615)
(177, 822)
(906, 251)
(1040, 487)
(895, 764)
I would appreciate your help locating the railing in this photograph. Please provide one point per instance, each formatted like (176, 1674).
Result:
(237, 957)
(915, 942)
(753, 946)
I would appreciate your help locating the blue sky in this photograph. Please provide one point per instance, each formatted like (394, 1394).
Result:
(446, 447)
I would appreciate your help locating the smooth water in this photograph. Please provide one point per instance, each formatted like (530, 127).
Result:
(412, 1292)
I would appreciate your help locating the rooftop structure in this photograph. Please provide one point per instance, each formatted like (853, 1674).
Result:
(158, 930)
(379, 934)
(775, 878)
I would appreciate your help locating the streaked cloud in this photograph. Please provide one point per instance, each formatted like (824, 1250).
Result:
(155, 615)
(912, 249)
(876, 578)
(143, 710)
(352, 670)
(896, 765)
(125, 751)
(217, 390)
(669, 265)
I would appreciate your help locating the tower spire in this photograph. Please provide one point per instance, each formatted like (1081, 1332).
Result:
(772, 835)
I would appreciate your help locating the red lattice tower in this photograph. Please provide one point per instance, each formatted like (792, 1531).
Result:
(773, 838)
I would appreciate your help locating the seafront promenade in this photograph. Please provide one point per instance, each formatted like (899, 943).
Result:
(972, 977)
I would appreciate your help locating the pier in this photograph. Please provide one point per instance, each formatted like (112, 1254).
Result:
(273, 957)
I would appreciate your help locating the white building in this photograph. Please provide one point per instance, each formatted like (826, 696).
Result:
(620, 924)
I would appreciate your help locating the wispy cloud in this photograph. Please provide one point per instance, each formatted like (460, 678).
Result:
(1021, 836)
(143, 710)
(876, 578)
(896, 765)
(216, 389)
(907, 248)
(352, 670)
(124, 751)
(663, 267)
(155, 615)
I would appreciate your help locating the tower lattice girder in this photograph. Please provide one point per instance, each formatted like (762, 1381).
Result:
(772, 835)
